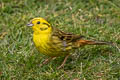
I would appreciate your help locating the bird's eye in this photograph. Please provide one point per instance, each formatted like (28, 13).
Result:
(38, 22)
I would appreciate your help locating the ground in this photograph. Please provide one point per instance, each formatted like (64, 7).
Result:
(97, 19)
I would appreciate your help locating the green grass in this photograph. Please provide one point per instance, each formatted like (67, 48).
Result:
(99, 19)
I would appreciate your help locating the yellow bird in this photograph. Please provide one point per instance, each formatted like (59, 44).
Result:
(53, 42)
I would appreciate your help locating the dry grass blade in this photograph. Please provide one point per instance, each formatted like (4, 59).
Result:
(2, 35)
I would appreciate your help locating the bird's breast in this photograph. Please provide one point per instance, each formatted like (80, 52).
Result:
(41, 42)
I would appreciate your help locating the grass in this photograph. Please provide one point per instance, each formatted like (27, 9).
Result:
(98, 19)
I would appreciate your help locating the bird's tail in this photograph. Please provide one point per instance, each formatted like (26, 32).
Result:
(92, 42)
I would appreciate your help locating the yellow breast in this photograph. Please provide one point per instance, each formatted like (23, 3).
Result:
(41, 42)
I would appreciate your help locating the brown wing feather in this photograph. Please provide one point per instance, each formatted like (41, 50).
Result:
(68, 37)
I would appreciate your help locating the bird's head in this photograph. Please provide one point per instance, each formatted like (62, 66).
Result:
(40, 26)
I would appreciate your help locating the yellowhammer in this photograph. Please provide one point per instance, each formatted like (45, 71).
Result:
(53, 42)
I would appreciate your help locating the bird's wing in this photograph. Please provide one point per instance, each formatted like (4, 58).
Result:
(68, 37)
(77, 40)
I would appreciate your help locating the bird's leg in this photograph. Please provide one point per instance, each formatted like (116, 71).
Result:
(62, 65)
(47, 60)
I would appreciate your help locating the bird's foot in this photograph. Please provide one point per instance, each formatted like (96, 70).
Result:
(62, 65)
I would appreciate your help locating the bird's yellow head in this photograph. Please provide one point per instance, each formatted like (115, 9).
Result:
(40, 26)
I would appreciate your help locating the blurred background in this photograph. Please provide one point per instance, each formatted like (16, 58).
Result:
(98, 19)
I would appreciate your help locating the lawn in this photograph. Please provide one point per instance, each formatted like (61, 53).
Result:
(97, 19)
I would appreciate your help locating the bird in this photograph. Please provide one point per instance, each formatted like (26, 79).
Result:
(54, 42)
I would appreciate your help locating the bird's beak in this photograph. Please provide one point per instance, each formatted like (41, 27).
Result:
(30, 24)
